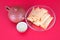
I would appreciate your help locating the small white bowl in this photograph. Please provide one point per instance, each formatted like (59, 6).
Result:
(21, 27)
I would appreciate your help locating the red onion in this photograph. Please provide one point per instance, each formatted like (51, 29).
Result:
(15, 14)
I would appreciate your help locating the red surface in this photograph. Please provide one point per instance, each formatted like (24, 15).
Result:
(8, 30)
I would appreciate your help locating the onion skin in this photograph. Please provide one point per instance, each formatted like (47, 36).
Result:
(16, 14)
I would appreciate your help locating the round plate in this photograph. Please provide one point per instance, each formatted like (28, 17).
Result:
(36, 28)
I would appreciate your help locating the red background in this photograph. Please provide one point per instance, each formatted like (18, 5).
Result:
(8, 30)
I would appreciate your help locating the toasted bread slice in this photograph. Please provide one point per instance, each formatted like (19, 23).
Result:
(47, 22)
(45, 17)
(37, 23)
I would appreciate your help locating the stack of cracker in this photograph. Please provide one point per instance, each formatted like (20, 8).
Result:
(40, 17)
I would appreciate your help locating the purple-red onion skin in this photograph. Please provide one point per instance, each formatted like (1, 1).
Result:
(16, 14)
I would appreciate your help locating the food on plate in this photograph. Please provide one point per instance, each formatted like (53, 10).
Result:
(40, 17)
